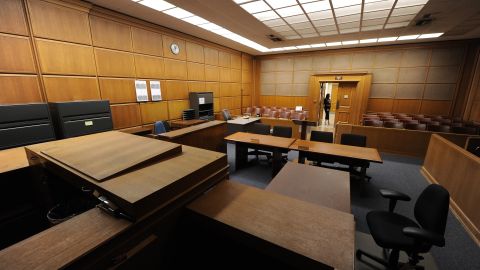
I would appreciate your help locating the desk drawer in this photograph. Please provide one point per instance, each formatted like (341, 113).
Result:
(18, 136)
(86, 126)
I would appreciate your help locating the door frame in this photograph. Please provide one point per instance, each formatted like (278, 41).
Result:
(359, 100)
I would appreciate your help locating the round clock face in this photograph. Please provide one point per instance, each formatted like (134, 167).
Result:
(174, 48)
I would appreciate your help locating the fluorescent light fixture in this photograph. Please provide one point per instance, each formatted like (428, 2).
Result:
(350, 42)
(370, 40)
(157, 4)
(303, 47)
(432, 35)
(178, 13)
(266, 15)
(345, 3)
(386, 39)
(289, 48)
(331, 44)
(277, 49)
(318, 45)
(255, 7)
(195, 20)
(289, 11)
(281, 3)
(409, 37)
(210, 26)
(240, 1)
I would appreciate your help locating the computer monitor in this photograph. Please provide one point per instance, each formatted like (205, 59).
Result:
(298, 108)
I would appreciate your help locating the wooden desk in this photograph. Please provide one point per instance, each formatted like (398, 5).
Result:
(176, 124)
(138, 130)
(321, 186)
(304, 124)
(13, 159)
(207, 135)
(241, 124)
(317, 236)
(276, 145)
(338, 152)
(282, 122)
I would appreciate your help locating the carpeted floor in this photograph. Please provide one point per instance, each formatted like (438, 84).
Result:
(398, 173)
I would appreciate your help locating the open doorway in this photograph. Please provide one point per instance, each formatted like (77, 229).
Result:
(329, 89)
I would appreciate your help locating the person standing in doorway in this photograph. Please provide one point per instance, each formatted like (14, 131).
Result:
(326, 106)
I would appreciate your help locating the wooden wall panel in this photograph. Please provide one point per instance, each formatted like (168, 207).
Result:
(70, 24)
(65, 58)
(267, 101)
(226, 103)
(236, 89)
(16, 54)
(246, 89)
(110, 34)
(212, 73)
(247, 76)
(167, 52)
(246, 101)
(225, 90)
(147, 42)
(224, 59)
(114, 63)
(236, 61)
(70, 88)
(175, 69)
(301, 101)
(19, 89)
(196, 87)
(117, 90)
(195, 71)
(149, 66)
(237, 102)
(235, 75)
(211, 56)
(176, 107)
(225, 75)
(126, 115)
(154, 111)
(216, 104)
(380, 105)
(213, 87)
(195, 53)
(284, 101)
(13, 18)
(175, 90)
(435, 107)
(406, 105)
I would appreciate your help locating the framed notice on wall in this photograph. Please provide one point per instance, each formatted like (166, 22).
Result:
(155, 90)
(141, 90)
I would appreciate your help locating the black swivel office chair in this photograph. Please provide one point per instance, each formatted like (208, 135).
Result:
(281, 131)
(262, 129)
(161, 127)
(399, 233)
(226, 115)
(356, 140)
(321, 136)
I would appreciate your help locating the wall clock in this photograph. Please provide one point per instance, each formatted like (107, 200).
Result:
(175, 48)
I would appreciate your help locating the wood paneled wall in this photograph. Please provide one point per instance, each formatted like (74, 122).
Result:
(63, 51)
(410, 78)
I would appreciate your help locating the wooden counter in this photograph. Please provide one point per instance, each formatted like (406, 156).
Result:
(208, 136)
(282, 122)
(176, 124)
(13, 159)
(323, 237)
(258, 139)
(458, 171)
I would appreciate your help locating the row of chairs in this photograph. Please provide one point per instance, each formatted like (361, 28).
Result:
(276, 112)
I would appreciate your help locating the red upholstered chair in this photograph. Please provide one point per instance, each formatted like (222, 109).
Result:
(266, 112)
(446, 121)
(249, 110)
(393, 124)
(400, 115)
(297, 116)
(453, 124)
(464, 130)
(438, 128)
(415, 126)
(285, 114)
(274, 114)
(258, 111)
(373, 123)
(407, 121)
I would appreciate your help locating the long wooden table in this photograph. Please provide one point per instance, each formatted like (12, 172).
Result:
(176, 124)
(351, 155)
(321, 186)
(207, 135)
(13, 159)
(276, 145)
(303, 235)
(241, 124)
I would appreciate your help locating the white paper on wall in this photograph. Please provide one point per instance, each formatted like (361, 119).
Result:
(201, 100)
(141, 90)
(155, 90)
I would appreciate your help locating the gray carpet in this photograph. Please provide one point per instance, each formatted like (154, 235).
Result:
(398, 173)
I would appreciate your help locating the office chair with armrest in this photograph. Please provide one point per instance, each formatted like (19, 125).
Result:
(399, 233)
(285, 132)
(321, 136)
(359, 141)
(226, 115)
(160, 127)
(262, 129)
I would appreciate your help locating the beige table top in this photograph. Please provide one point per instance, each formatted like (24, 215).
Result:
(363, 153)
(320, 233)
(321, 186)
(191, 129)
(266, 140)
(13, 159)
(243, 121)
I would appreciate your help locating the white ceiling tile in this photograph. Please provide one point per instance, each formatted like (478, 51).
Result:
(345, 3)
(376, 14)
(350, 30)
(241, 1)
(328, 33)
(349, 25)
(306, 1)
(408, 3)
(349, 18)
(281, 28)
(326, 14)
(281, 3)
(287, 33)
(302, 25)
(371, 28)
(316, 6)
(396, 25)
(296, 19)
(344, 11)
(406, 10)
(266, 15)
(289, 11)
(310, 35)
(276, 22)
(324, 22)
(380, 21)
(292, 37)
(327, 28)
(306, 31)
(255, 7)
(396, 19)
(380, 5)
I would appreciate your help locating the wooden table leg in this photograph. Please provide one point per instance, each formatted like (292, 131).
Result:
(301, 157)
(241, 155)
(276, 161)
(303, 133)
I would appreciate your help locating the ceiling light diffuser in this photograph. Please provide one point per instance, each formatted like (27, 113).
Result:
(290, 11)
(157, 4)
(303, 47)
(386, 39)
(319, 45)
(370, 40)
(350, 42)
(178, 13)
(432, 35)
(409, 37)
(316, 6)
(266, 15)
(281, 3)
(255, 7)
(331, 44)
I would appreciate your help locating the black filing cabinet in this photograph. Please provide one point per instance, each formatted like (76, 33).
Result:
(25, 124)
(202, 103)
(78, 118)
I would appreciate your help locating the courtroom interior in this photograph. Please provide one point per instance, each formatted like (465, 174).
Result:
(240, 134)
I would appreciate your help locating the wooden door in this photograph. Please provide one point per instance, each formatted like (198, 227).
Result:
(345, 101)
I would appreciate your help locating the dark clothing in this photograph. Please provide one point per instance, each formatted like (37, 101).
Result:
(326, 106)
